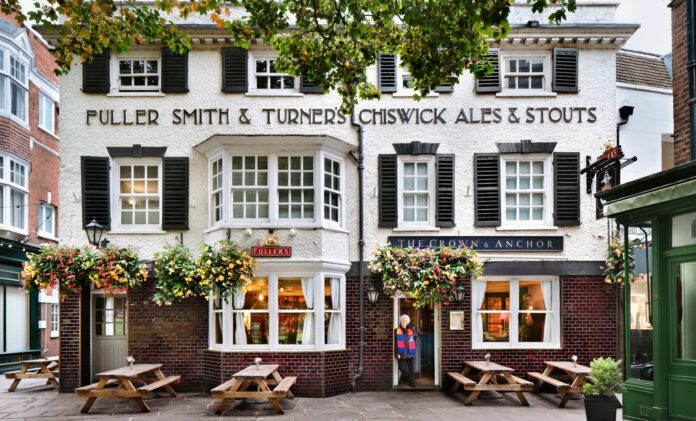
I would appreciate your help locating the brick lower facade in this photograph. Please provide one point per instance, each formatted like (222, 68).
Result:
(177, 336)
(680, 84)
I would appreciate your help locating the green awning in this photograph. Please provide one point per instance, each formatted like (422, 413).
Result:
(652, 198)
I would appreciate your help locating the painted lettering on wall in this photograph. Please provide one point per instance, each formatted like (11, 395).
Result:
(332, 116)
(482, 243)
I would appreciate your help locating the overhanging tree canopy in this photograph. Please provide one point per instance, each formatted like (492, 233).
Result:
(332, 42)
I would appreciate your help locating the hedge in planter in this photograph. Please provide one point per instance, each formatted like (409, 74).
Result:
(429, 275)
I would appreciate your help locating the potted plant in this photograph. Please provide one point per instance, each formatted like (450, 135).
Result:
(600, 403)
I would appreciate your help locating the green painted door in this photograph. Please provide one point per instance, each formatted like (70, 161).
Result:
(682, 373)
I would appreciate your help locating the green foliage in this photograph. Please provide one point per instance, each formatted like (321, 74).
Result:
(224, 267)
(429, 275)
(615, 265)
(54, 266)
(606, 374)
(177, 275)
(333, 42)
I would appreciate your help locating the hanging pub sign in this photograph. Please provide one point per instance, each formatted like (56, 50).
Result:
(607, 169)
(482, 243)
(607, 178)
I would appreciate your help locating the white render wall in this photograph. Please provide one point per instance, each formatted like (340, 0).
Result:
(585, 242)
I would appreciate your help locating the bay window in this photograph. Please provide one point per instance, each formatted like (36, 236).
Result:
(281, 311)
(516, 313)
(14, 194)
(271, 189)
(14, 89)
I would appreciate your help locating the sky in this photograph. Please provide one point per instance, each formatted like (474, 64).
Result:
(654, 16)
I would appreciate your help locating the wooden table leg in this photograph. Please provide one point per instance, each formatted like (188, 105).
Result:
(52, 379)
(475, 393)
(170, 389)
(539, 383)
(577, 382)
(520, 394)
(90, 401)
(127, 385)
(279, 379)
(18, 378)
(225, 401)
(457, 385)
(273, 401)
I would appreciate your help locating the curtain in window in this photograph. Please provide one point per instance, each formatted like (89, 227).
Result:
(308, 327)
(480, 293)
(240, 337)
(546, 290)
(335, 319)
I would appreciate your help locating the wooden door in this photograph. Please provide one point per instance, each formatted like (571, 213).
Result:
(109, 329)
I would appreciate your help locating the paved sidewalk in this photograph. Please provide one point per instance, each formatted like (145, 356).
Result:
(33, 400)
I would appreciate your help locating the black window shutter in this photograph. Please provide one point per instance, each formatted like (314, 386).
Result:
(487, 190)
(174, 72)
(444, 215)
(235, 70)
(566, 182)
(447, 87)
(388, 211)
(307, 87)
(96, 201)
(491, 83)
(386, 72)
(96, 75)
(175, 193)
(565, 70)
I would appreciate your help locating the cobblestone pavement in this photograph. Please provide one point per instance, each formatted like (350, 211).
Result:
(33, 400)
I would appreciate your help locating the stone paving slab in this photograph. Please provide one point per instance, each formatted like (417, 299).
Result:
(35, 401)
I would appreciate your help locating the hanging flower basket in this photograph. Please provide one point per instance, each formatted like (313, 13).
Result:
(615, 264)
(177, 275)
(114, 269)
(428, 275)
(223, 268)
(55, 266)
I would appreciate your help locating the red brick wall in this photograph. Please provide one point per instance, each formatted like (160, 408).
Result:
(70, 343)
(680, 85)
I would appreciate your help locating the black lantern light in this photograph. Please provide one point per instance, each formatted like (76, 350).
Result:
(459, 294)
(372, 294)
(94, 232)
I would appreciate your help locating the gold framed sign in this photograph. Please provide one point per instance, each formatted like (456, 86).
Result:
(456, 320)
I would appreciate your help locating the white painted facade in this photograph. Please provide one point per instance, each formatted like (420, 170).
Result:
(330, 247)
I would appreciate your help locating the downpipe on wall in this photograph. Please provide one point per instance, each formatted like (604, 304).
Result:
(361, 250)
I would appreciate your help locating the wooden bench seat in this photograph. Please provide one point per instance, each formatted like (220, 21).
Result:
(217, 391)
(85, 390)
(523, 382)
(13, 374)
(159, 383)
(550, 380)
(459, 380)
(284, 386)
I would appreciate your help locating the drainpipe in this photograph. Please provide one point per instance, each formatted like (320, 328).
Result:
(691, 70)
(361, 249)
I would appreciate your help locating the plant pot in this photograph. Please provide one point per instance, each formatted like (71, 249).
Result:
(600, 408)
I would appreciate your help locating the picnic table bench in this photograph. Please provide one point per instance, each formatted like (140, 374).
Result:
(118, 383)
(493, 373)
(579, 375)
(48, 368)
(236, 388)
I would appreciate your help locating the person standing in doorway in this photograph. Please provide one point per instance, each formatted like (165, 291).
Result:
(405, 348)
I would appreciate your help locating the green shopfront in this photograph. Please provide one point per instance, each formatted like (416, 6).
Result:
(658, 217)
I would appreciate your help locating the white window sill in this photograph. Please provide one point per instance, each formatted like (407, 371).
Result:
(121, 231)
(526, 94)
(15, 230)
(48, 133)
(500, 346)
(265, 226)
(527, 228)
(14, 118)
(276, 350)
(135, 94)
(47, 236)
(55, 335)
(407, 94)
(416, 229)
(273, 94)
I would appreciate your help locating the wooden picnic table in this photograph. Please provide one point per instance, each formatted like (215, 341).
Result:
(578, 374)
(236, 388)
(490, 372)
(47, 368)
(118, 383)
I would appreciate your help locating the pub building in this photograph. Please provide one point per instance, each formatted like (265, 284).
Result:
(218, 144)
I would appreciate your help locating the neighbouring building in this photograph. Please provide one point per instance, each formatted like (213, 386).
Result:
(657, 214)
(29, 167)
(644, 84)
(218, 144)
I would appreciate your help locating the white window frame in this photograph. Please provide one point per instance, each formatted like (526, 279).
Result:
(6, 188)
(316, 172)
(430, 160)
(42, 224)
(273, 221)
(6, 80)
(55, 320)
(555, 313)
(342, 178)
(517, 55)
(547, 220)
(116, 195)
(268, 55)
(273, 312)
(223, 188)
(135, 55)
(47, 107)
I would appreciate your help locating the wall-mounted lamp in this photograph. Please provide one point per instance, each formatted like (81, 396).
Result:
(459, 294)
(372, 294)
(94, 232)
(532, 23)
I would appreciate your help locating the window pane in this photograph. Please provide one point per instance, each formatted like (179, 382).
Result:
(685, 285)
(511, 167)
(496, 327)
(683, 229)
(538, 66)
(523, 65)
(497, 296)
(531, 327)
(523, 82)
(532, 295)
(254, 327)
(537, 82)
(640, 328)
(261, 66)
(256, 297)
(296, 328)
(218, 327)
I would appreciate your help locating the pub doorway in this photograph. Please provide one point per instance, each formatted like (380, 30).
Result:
(109, 332)
(426, 320)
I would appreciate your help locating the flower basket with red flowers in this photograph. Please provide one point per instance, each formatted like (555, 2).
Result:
(115, 269)
(55, 266)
